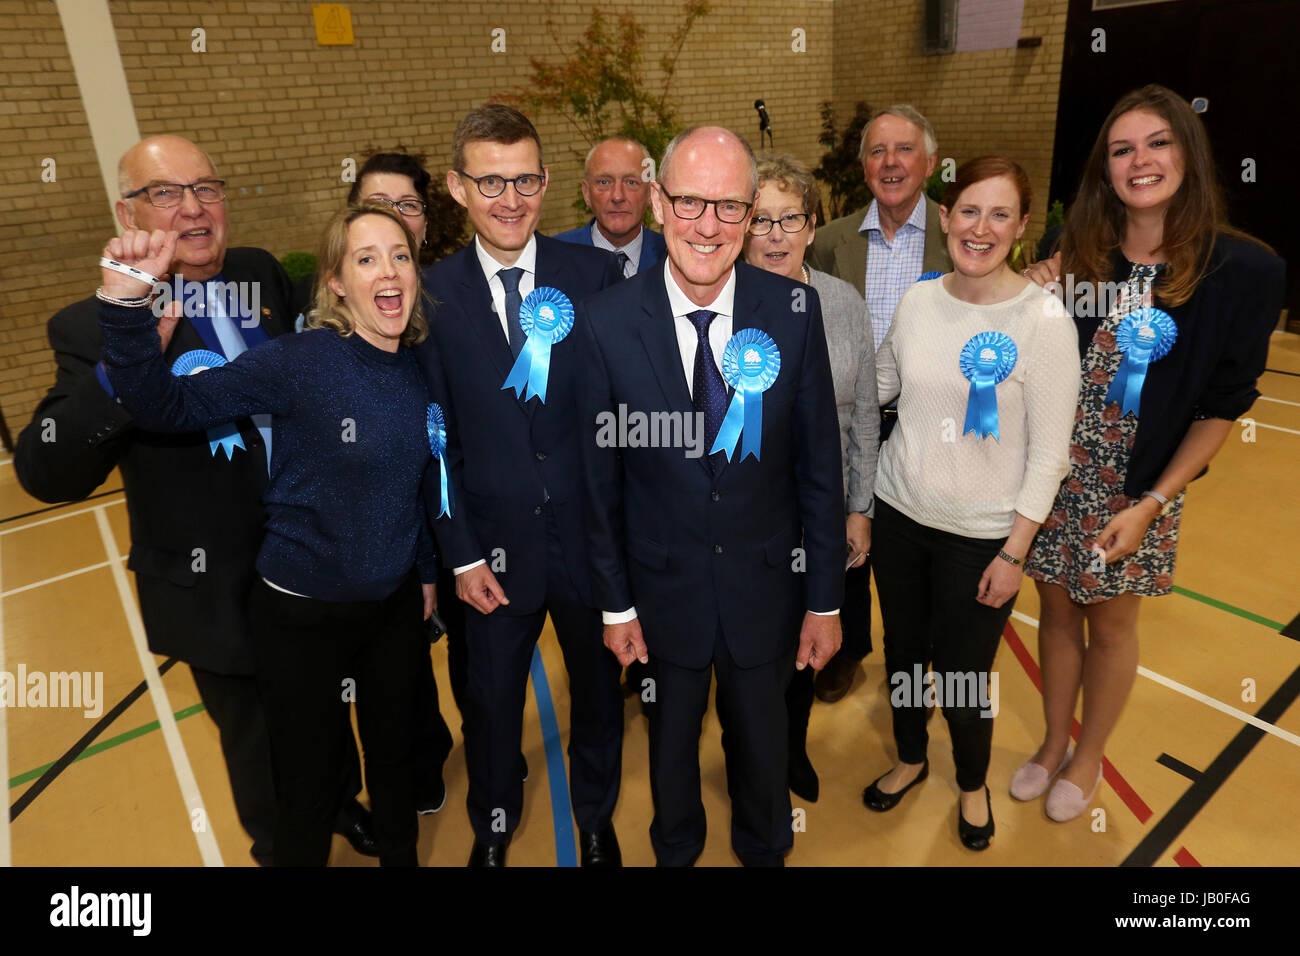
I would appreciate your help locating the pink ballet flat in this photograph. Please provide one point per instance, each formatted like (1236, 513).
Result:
(1066, 801)
(1031, 781)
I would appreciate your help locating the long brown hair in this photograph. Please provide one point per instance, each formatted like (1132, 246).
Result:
(328, 310)
(1097, 221)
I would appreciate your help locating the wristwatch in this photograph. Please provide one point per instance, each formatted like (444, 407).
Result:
(1009, 559)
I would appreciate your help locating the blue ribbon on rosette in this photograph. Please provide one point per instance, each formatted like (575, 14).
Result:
(986, 360)
(436, 425)
(927, 276)
(226, 437)
(546, 317)
(750, 364)
(1144, 336)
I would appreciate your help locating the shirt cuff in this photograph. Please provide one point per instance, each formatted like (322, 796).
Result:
(467, 567)
(825, 613)
(618, 617)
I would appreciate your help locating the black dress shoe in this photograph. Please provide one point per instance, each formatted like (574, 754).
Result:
(876, 799)
(434, 800)
(601, 848)
(355, 825)
(835, 679)
(803, 778)
(973, 837)
(488, 856)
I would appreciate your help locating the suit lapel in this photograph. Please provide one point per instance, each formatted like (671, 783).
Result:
(482, 316)
(851, 260)
(659, 337)
(935, 258)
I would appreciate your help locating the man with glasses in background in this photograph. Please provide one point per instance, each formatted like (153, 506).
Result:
(616, 185)
(726, 564)
(515, 536)
(194, 500)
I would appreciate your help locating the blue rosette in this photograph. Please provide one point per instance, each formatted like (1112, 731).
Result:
(750, 363)
(546, 317)
(226, 437)
(986, 359)
(1144, 336)
(436, 425)
(927, 276)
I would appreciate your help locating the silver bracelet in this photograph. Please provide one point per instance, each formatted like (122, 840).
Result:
(126, 270)
(140, 303)
(1164, 502)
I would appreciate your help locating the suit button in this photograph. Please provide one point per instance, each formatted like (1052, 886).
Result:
(714, 495)
(717, 549)
(537, 510)
(541, 456)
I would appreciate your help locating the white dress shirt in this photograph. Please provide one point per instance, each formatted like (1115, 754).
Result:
(688, 341)
(632, 250)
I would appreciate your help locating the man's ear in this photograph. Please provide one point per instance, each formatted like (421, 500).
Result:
(929, 167)
(125, 214)
(586, 195)
(456, 187)
(657, 202)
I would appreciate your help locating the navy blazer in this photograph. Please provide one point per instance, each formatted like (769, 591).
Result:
(653, 247)
(694, 551)
(507, 455)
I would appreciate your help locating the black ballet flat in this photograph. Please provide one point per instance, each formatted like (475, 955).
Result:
(973, 837)
(873, 798)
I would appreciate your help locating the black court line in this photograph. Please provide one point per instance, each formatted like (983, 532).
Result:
(1177, 766)
(1292, 630)
(1278, 371)
(62, 764)
(1164, 833)
(41, 511)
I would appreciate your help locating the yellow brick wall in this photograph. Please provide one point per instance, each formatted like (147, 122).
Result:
(989, 101)
(279, 113)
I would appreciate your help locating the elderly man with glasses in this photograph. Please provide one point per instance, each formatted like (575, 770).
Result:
(194, 500)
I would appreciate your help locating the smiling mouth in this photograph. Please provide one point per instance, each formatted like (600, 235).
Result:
(508, 220)
(703, 249)
(976, 248)
(196, 234)
(1139, 181)
(389, 302)
(892, 180)
(775, 256)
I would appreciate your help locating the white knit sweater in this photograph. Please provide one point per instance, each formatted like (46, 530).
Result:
(960, 483)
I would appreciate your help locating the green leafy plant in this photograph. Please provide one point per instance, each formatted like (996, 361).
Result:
(299, 265)
(1055, 214)
(600, 87)
(840, 168)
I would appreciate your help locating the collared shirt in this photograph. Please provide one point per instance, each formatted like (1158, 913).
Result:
(892, 266)
(632, 250)
(527, 261)
(688, 341)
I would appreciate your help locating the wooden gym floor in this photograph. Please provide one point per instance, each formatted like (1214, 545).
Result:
(1202, 769)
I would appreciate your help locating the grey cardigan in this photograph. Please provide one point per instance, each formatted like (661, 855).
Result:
(853, 371)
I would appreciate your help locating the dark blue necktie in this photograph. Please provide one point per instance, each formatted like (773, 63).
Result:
(510, 279)
(709, 392)
(623, 260)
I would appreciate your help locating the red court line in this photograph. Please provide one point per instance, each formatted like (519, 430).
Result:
(1183, 858)
(1111, 775)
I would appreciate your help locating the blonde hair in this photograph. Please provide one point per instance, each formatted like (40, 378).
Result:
(328, 310)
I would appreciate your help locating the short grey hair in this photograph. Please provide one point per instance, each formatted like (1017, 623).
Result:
(586, 163)
(690, 131)
(909, 113)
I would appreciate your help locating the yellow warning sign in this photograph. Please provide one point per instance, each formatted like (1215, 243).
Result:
(333, 24)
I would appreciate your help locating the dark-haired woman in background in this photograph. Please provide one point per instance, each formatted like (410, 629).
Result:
(1167, 368)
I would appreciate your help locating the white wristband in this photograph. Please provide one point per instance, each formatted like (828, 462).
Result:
(131, 271)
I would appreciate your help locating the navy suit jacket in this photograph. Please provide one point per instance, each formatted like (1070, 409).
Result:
(507, 455)
(694, 551)
(653, 247)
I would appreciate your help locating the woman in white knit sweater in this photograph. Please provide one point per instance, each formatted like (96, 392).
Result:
(985, 369)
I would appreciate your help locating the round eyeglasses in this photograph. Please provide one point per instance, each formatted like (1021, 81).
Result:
(692, 207)
(493, 186)
(794, 222)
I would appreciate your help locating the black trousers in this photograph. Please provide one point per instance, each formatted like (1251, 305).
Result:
(312, 658)
(500, 652)
(751, 709)
(235, 705)
(928, 580)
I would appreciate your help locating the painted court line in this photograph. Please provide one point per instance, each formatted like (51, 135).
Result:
(1276, 428)
(1280, 401)
(69, 514)
(57, 577)
(6, 857)
(1197, 695)
(207, 841)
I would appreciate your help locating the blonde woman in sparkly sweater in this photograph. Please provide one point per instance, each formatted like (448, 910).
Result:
(985, 369)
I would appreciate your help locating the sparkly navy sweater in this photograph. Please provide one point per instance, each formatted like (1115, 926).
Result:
(344, 516)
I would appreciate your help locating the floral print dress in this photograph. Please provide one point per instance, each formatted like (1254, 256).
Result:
(1093, 492)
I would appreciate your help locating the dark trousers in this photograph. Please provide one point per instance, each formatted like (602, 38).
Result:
(235, 705)
(751, 709)
(927, 581)
(310, 654)
(500, 654)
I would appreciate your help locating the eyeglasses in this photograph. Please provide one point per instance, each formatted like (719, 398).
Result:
(407, 207)
(492, 186)
(692, 207)
(794, 222)
(167, 195)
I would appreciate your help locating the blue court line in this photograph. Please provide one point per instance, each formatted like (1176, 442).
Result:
(565, 852)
